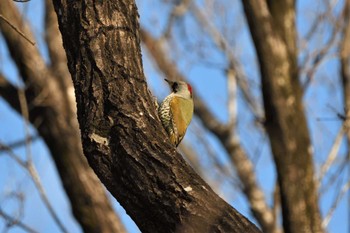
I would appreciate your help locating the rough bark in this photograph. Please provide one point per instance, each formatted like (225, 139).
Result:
(272, 26)
(225, 134)
(121, 133)
(51, 113)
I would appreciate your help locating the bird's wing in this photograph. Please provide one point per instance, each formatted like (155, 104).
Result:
(178, 119)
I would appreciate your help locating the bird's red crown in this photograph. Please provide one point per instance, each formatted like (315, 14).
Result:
(189, 88)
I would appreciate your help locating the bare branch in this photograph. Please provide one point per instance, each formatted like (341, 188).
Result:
(12, 155)
(332, 153)
(25, 116)
(36, 179)
(10, 221)
(178, 11)
(335, 204)
(192, 157)
(29, 167)
(17, 30)
(232, 97)
(21, 142)
(221, 42)
(319, 57)
(332, 178)
(317, 22)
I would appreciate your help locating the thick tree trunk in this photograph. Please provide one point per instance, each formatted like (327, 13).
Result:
(272, 25)
(51, 113)
(122, 136)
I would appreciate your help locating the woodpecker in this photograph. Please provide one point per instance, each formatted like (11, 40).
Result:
(176, 110)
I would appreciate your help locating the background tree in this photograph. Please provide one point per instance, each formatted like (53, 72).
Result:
(276, 99)
(45, 100)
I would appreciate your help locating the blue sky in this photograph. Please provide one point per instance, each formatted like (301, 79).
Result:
(210, 81)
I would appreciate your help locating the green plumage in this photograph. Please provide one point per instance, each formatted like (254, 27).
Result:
(175, 113)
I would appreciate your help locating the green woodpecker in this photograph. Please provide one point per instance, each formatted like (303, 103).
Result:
(176, 110)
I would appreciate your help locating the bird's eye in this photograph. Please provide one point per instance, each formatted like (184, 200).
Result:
(175, 87)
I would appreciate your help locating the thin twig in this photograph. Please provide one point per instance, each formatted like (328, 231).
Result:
(12, 221)
(222, 44)
(36, 179)
(179, 10)
(222, 169)
(12, 155)
(339, 197)
(29, 163)
(17, 30)
(25, 116)
(29, 167)
(333, 177)
(20, 142)
(332, 153)
(18, 216)
(318, 57)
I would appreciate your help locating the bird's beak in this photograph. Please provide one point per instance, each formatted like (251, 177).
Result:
(169, 82)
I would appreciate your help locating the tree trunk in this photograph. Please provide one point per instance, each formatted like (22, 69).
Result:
(272, 25)
(122, 136)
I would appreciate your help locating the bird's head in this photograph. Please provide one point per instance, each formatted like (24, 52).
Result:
(179, 87)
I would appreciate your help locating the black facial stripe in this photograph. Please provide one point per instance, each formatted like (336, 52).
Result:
(175, 87)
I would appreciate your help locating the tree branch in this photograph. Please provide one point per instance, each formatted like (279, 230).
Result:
(29, 167)
(11, 221)
(21, 142)
(16, 29)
